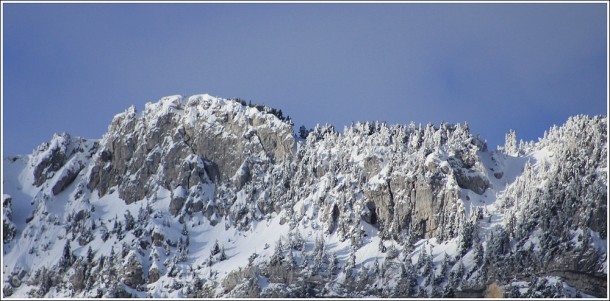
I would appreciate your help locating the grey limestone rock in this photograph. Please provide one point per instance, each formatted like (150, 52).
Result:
(53, 157)
(70, 173)
(78, 278)
(472, 180)
(182, 153)
(176, 204)
(153, 275)
(133, 272)
(242, 176)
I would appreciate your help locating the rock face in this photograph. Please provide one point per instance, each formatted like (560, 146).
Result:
(418, 209)
(133, 272)
(394, 196)
(8, 227)
(60, 161)
(447, 216)
(68, 176)
(153, 275)
(78, 278)
(48, 166)
(189, 145)
(474, 181)
(51, 157)
(571, 269)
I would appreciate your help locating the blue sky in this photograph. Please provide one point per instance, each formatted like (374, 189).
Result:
(72, 67)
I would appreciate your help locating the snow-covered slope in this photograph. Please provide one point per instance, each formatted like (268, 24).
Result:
(210, 197)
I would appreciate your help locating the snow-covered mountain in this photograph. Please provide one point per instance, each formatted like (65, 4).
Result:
(210, 197)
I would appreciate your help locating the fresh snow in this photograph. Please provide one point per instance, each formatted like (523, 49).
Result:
(40, 242)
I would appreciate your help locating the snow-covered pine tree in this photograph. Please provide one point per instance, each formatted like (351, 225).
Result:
(510, 143)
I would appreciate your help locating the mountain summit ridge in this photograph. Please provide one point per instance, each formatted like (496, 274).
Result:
(209, 197)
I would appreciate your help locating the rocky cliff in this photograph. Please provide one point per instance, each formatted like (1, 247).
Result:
(210, 197)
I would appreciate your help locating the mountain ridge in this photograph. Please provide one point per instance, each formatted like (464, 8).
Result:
(378, 210)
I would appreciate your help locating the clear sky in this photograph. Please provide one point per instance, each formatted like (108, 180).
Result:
(72, 67)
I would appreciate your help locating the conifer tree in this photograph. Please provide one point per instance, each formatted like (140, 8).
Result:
(90, 255)
(215, 249)
(130, 221)
(67, 257)
(223, 255)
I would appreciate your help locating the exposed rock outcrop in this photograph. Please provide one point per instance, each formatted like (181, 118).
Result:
(69, 174)
(134, 275)
(8, 227)
(204, 141)
(472, 180)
